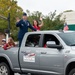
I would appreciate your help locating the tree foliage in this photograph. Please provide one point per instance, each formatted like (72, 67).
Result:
(51, 21)
(9, 6)
(68, 11)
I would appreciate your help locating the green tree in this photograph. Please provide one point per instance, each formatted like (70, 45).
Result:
(51, 21)
(6, 7)
(9, 6)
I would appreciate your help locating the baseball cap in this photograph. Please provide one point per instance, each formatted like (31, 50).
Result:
(24, 14)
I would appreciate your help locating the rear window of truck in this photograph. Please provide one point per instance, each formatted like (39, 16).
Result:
(33, 40)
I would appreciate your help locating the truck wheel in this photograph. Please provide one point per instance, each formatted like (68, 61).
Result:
(72, 72)
(5, 70)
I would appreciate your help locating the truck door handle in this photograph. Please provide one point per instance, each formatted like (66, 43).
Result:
(43, 52)
(23, 52)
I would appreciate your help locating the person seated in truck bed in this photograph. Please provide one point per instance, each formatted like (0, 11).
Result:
(3, 42)
(10, 44)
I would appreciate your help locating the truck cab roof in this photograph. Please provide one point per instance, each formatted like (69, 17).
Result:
(50, 31)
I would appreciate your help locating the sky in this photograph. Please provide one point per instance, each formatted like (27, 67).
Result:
(46, 6)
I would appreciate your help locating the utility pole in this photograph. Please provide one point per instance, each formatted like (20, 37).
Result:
(9, 24)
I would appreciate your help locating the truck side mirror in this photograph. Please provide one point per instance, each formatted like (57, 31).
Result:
(52, 44)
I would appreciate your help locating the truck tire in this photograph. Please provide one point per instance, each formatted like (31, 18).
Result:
(72, 72)
(5, 69)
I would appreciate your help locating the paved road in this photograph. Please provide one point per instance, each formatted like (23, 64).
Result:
(19, 74)
(22, 74)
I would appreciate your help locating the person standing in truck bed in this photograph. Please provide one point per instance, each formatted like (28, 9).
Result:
(36, 25)
(23, 25)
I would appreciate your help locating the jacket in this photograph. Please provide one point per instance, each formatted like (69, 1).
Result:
(23, 26)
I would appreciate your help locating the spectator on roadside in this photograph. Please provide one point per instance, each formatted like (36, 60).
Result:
(10, 44)
(66, 28)
(23, 25)
(36, 24)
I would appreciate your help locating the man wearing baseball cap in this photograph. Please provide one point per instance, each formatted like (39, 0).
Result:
(23, 25)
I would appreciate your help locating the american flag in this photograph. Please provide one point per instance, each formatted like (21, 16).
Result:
(66, 27)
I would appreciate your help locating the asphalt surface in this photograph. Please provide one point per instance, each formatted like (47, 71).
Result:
(19, 74)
